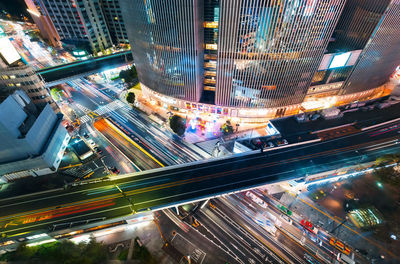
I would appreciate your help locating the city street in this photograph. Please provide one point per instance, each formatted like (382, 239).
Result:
(88, 101)
(36, 53)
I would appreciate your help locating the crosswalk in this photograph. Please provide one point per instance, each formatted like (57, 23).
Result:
(104, 109)
(83, 108)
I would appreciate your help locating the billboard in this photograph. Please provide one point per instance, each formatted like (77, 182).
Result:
(7, 51)
(339, 60)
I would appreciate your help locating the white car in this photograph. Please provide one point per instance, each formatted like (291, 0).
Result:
(91, 143)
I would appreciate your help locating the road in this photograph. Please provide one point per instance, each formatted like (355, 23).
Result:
(159, 188)
(240, 236)
(35, 53)
(140, 158)
(90, 100)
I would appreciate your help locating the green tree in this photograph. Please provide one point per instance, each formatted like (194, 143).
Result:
(64, 252)
(130, 97)
(388, 158)
(177, 125)
(128, 75)
(227, 128)
(387, 175)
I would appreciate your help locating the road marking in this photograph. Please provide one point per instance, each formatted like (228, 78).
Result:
(216, 175)
(354, 231)
(132, 142)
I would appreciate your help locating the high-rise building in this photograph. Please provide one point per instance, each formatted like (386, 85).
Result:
(32, 141)
(79, 22)
(261, 58)
(115, 22)
(42, 20)
(16, 75)
(94, 25)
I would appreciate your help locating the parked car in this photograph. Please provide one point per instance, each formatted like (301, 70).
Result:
(114, 170)
(98, 150)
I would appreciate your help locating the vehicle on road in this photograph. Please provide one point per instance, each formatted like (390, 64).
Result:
(339, 245)
(98, 150)
(85, 135)
(91, 143)
(114, 170)
(256, 199)
(307, 225)
(81, 149)
(342, 258)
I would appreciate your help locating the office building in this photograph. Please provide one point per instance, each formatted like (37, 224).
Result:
(253, 59)
(79, 22)
(92, 25)
(16, 75)
(32, 141)
(42, 20)
(115, 22)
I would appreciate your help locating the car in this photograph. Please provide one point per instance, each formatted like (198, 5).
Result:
(339, 245)
(91, 143)
(85, 135)
(270, 144)
(114, 170)
(307, 225)
(98, 150)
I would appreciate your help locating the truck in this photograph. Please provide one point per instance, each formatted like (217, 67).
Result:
(81, 149)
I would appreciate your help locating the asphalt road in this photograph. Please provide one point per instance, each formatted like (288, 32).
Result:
(159, 188)
(159, 142)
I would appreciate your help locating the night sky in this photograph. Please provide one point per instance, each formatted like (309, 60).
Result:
(14, 7)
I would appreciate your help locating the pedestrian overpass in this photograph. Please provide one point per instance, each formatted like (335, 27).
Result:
(62, 73)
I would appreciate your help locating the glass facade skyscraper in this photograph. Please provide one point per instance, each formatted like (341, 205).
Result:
(246, 54)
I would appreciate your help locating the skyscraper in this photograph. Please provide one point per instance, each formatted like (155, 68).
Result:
(42, 20)
(16, 75)
(94, 25)
(115, 22)
(79, 22)
(261, 58)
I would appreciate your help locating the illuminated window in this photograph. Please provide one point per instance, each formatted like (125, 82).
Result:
(339, 60)
(269, 87)
(213, 24)
(211, 46)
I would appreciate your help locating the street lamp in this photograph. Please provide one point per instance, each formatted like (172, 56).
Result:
(126, 197)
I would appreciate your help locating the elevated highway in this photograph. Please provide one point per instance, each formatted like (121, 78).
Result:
(62, 73)
(174, 185)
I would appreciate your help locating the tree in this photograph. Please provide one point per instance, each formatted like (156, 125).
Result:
(130, 97)
(387, 175)
(177, 125)
(60, 252)
(227, 128)
(128, 75)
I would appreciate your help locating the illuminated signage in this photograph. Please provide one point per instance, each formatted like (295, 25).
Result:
(211, 46)
(213, 24)
(269, 87)
(339, 60)
(7, 51)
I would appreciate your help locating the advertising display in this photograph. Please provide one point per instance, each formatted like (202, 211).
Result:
(7, 51)
(339, 60)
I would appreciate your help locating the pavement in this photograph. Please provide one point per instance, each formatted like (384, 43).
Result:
(185, 240)
(148, 234)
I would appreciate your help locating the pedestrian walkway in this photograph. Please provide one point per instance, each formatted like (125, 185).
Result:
(102, 110)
